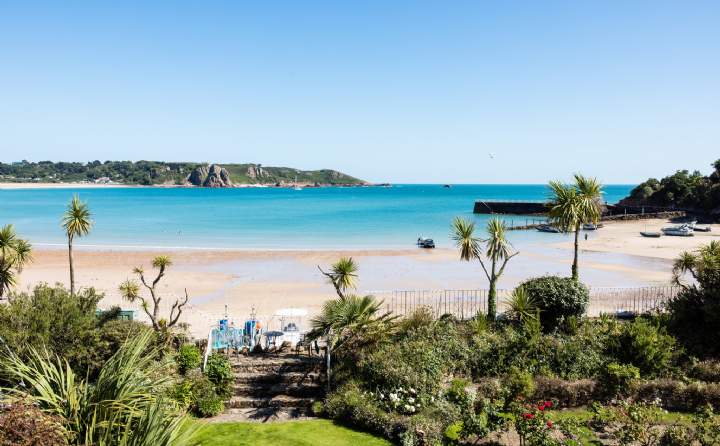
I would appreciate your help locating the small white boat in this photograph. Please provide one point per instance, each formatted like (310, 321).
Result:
(591, 226)
(684, 230)
(548, 228)
(296, 187)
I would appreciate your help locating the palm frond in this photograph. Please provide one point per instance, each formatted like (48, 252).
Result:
(77, 218)
(463, 234)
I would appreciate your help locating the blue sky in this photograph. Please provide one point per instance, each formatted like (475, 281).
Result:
(384, 90)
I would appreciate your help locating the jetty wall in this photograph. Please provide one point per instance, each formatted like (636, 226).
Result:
(510, 207)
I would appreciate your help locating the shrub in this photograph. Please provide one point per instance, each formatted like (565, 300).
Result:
(519, 384)
(557, 298)
(209, 405)
(22, 423)
(52, 318)
(677, 395)
(645, 346)
(566, 393)
(350, 404)
(219, 372)
(695, 311)
(705, 371)
(188, 358)
(618, 379)
(202, 397)
(418, 360)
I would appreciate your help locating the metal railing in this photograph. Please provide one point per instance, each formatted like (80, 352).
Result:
(464, 304)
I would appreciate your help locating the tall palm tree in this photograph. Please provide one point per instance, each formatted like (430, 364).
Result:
(342, 275)
(77, 223)
(14, 254)
(575, 204)
(498, 252)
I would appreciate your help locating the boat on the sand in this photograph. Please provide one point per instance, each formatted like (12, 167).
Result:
(548, 228)
(651, 234)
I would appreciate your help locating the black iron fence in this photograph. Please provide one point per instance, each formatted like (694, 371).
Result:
(465, 304)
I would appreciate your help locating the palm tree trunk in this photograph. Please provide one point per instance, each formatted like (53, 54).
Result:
(72, 269)
(327, 364)
(492, 305)
(492, 295)
(575, 274)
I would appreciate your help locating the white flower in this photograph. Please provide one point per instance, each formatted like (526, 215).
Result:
(409, 408)
(411, 400)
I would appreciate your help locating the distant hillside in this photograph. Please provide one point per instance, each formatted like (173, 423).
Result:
(684, 190)
(159, 172)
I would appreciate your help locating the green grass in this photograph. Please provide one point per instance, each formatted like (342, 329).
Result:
(290, 433)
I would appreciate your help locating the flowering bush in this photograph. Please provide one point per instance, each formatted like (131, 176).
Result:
(399, 400)
(533, 425)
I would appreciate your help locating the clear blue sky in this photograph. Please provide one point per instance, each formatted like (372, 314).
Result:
(384, 90)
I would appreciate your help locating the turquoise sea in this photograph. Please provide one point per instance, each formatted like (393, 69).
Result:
(264, 218)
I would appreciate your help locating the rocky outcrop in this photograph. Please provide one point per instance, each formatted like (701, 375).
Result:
(210, 176)
(256, 172)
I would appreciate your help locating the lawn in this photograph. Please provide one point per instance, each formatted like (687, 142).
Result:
(290, 433)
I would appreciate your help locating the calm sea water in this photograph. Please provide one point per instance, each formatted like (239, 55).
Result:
(258, 218)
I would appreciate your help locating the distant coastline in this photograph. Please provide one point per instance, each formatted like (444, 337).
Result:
(169, 174)
(87, 185)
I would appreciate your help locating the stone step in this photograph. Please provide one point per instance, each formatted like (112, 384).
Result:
(289, 378)
(282, 401)
(275, 368)
(275, 360)
(272, 390)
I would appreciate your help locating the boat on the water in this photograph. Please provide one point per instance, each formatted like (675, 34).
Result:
(548, 228)
(684, 230)
(423, 242)
(651, 234)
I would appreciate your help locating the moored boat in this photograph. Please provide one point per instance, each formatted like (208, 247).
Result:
(650, 234)
(423, 242)
(702, 228)
(548, 228)
(684, 230)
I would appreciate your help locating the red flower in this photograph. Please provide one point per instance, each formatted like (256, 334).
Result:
(528, 416)
(541, 407)
(549, 423)
(548, 404)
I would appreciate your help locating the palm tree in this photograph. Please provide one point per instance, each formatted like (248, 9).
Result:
(498, 253)
(575, 204)
(14, 254)
(342, 275)
(346, 318)
(77, 223)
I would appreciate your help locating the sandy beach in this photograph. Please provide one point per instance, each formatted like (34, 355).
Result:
(238, 280)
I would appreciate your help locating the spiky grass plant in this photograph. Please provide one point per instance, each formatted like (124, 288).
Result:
(123, 407)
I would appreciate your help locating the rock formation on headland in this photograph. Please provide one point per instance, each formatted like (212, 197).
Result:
(210, 176)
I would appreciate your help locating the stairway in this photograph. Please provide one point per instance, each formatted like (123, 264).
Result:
(272, 387)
